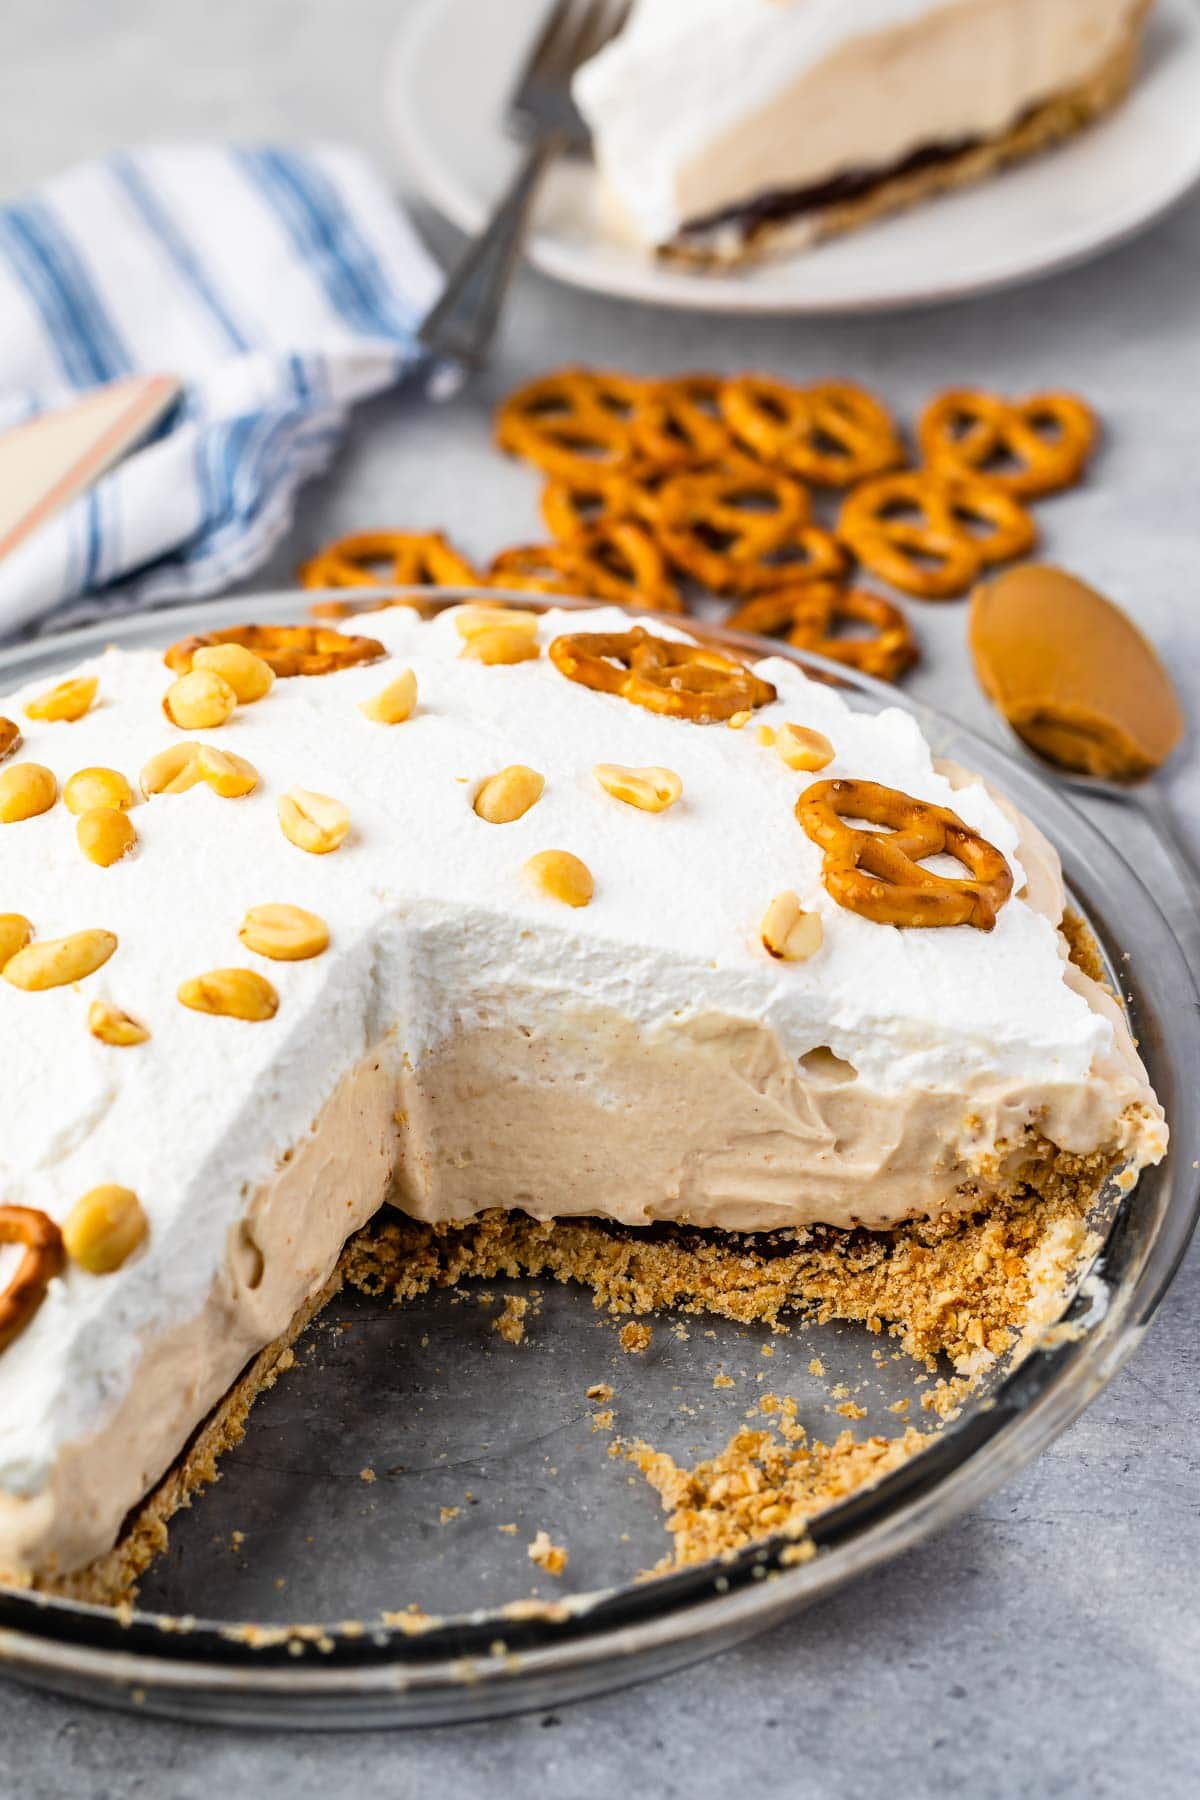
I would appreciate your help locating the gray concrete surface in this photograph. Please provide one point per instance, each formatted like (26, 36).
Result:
(1049, 1644)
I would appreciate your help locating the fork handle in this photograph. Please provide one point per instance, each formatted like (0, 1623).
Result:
(462, 322)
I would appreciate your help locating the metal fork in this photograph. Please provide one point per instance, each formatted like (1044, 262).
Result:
(459, 329)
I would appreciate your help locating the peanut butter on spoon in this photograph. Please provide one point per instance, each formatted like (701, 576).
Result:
(1072, 674)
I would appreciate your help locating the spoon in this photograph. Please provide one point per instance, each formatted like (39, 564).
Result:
(1087, 699)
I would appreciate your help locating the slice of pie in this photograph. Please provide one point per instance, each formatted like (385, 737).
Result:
(546, 917)
(726, 128)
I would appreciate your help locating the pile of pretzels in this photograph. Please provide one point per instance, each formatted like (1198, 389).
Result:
(658, 492)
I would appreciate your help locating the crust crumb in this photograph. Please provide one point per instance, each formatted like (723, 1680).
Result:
(758, 1486)
(510, 1324)
(550, 1557)
(635, 1337)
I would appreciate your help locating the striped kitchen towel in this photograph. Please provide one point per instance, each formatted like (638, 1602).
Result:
(278, 285)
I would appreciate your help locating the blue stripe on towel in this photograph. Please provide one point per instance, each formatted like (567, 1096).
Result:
(88, 343)
(140, 191)
(323, 233)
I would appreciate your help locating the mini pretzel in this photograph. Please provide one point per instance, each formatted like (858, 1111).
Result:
(388, 559)
(570, 420)
(831, 432)
(681, 680)
(41, 1262)
(10, 738)
(679, 421)
(288, 649)
(720, 525)
(914, 529)
(810, 612)
(571, 504)
(615, 559)
(807, 553)
(1026, 447)
(878, 873)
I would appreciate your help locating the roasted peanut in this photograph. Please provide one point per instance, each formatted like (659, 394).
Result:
(802, 748)
(26, 789)
(232, 994)
(650, 790)
(10, 738)
(501, 644)
(284, 933)
(788, 932)
(112, 1026)
(313, 822)
(230, 776)
(97, 787)
(394, 703)
(558, 875)
(248, 675)
(55, 962)
(470, 620)
(15, 933)
(105, 835)
(69, 700)
(172, 771)
(509, 794)
(199, 701)
(103, 1230)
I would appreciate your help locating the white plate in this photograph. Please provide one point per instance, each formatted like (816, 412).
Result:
(453, 66)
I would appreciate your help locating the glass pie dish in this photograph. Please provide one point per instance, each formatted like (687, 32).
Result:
(362, 1560)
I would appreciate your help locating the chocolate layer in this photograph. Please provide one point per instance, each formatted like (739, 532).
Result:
(772, 206)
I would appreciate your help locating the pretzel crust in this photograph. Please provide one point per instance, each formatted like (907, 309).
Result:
(1042, 442)
(614, 559)
(831, 432)
(911, 529)
(288, 649)
(408, 559)
(43, 1259)
(878, 874)
(808, 614)
(571, 420)
(680, 680)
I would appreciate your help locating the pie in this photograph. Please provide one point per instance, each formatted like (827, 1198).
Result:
(487, 915)
(726, 128)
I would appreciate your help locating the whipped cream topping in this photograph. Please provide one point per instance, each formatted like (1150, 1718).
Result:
(432, 929)
(700, 105)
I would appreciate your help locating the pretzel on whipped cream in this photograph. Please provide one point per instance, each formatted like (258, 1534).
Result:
(571, 419)
(809, 614)
(878, 874)
(680, 680)
(287, 649)
(920, 529)
(42, 1261)
(614, 559)
(1026, 447)
(831, 432)
(388, 559)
